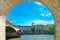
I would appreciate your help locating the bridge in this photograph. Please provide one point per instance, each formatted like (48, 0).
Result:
(12, 29)
(9, 24)
(6, 5)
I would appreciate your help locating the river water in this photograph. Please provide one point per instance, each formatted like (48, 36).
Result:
(37, 37)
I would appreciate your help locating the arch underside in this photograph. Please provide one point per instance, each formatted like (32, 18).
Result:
(53, 5)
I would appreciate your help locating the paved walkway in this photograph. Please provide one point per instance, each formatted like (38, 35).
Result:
(14, 39)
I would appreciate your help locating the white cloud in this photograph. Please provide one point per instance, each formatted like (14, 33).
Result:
(40, 8)
(48, 14)
(43, 22)
(38, 22)
(42, 14)
(13, 21)
(38, 3)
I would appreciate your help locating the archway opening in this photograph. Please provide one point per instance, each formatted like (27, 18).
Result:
(31, 18)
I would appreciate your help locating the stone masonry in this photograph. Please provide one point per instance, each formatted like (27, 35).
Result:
(53, 5)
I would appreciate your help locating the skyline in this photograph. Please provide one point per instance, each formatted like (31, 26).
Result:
(25, 13)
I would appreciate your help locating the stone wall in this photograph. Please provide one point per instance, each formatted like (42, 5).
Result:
(2, 28)
(53, 5)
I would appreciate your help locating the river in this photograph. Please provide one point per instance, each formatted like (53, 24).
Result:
(37, 37)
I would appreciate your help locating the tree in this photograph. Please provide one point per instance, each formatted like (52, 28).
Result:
(49, 28)
(39, 28)
(33, 27)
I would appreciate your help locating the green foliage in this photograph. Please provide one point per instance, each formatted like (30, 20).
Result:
(39, 27)
(33, 27)
(49, 27)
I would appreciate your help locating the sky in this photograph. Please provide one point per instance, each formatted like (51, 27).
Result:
(24, 13)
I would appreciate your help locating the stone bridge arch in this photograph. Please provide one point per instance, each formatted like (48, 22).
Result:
(6, 5)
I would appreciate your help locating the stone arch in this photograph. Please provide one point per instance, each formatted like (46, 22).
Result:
(53, 5)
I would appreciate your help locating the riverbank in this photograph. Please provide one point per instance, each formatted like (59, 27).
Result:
(13, 39)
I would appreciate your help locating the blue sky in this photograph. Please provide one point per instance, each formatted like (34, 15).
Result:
(24, 13)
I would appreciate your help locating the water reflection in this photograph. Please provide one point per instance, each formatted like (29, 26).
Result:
(37, 37)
